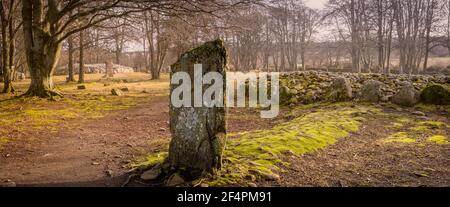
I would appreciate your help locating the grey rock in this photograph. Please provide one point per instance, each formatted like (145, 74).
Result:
(116, 92)
(252, 185)
(371, 91)
(151, 174)
(418, 113)
(8, 183)
(284, 94)
(250, 177)
(340, 90)
(385, 98)
(293, 91)
(407, 96)
(175, 180)
(271, 177)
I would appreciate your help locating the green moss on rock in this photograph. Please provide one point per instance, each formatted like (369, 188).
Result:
(436, 94)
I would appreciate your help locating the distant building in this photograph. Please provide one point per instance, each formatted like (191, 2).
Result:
(93, 68)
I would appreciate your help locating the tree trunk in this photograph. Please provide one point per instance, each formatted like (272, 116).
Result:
(71, 77)
(429, 22)
(302, 56)
(6, 67)
(118, 51)
(8, 47)
(145, 54)
(42, 51)
(81, 72)
(355, 49)
(381, 49)
(155, 74)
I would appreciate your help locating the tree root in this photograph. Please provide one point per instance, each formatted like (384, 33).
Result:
(43, 93)
(129, 179)
(9, 90)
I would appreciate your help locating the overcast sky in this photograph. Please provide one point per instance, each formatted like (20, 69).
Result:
(315, 4)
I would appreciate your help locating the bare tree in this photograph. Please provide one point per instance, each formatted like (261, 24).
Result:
(309, 22)
(9, 28)
(430, 20)
(414, 20)
(157, 42)
(47, 23)
(352, 14)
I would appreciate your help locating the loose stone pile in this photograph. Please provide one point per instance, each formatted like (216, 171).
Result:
(310, 87)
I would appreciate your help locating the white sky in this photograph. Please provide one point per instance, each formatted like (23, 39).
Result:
(315, 4)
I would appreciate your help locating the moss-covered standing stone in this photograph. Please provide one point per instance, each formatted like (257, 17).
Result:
(198, 134)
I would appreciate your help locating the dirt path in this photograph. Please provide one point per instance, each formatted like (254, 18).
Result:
(93, 154)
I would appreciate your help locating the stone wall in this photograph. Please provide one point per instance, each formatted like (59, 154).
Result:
(310, 87)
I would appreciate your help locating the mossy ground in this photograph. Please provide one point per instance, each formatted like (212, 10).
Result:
(410, 130)
(439, 139)
(149, 160)
(260, 154)
(401, 137)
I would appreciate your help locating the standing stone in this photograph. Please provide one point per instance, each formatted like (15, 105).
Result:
(340, 90)
(109, 73)
(371, 91)
(198, 133)
(407, 96)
